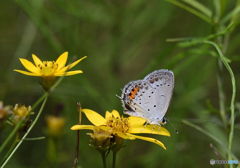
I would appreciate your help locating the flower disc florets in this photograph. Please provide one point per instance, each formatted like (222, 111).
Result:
(118, 124)
(48, 67)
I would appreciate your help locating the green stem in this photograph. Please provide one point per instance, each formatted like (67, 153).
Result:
(209, 135)
(221, 93)
(20, 123)
(28, 131)
(104, 159)
(12, 147)
(114, 159)
(232, 99)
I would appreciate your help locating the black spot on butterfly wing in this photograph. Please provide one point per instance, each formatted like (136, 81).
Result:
(128, 107)
(126, 103)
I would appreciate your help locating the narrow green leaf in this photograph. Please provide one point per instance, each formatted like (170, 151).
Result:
(189, 41)
(191, 10)
(200, 7)
(209, 135)
(230, 15)
(33, 139)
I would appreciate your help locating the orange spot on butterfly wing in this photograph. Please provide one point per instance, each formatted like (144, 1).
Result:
(135, 90)
(133, 94)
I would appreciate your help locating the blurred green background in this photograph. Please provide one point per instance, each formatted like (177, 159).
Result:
(124, 41)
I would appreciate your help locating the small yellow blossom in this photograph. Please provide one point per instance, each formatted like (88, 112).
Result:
(122, 127)
(55, 125)
(101, 138)
(20, 112)
(48, 70)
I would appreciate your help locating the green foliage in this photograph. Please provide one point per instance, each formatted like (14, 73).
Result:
(124, 41)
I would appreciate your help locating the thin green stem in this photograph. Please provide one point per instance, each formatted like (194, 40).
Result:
(28, 131)
(12, 147)
(20, 123)
(33, 107)
(221, 93)
(191, 10)
(104, 159)
(209, 135)
(114, 159)
(232, 99)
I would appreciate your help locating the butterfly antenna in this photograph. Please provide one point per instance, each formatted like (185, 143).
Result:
(174, 120)
(119, 97)
(172, 126)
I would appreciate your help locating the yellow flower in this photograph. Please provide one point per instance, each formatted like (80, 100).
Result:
(101, 139)
(48, 70)
(122, 127)
(20, 112)
(55, 125)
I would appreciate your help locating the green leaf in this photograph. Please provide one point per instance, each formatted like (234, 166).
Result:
(200, 7)
(33, 139)
(209, 135)
(231, 15)
(191, 10)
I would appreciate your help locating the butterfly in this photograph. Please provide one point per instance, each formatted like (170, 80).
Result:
(150, 97)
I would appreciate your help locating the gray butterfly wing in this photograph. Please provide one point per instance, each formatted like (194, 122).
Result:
(149, 98)
(162, 82)
(134, 97)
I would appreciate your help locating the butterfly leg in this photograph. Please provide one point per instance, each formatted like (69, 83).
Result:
(159, 128)
(144, 127)
(154, 128)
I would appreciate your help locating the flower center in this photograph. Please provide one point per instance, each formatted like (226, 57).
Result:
(118, 124)
(48, 67)
(21, 111)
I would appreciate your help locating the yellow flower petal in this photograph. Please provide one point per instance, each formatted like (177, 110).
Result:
(27, 73)
(29, 66)
(80, 127)
(36, 60)
(71, 65)
(68, 73)
(113, 113)
(94, 117)
(149, 129)
(107, 114)
(148, 139)
(125, 136)
(61, 61)
(136, 121)
(105, 128)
